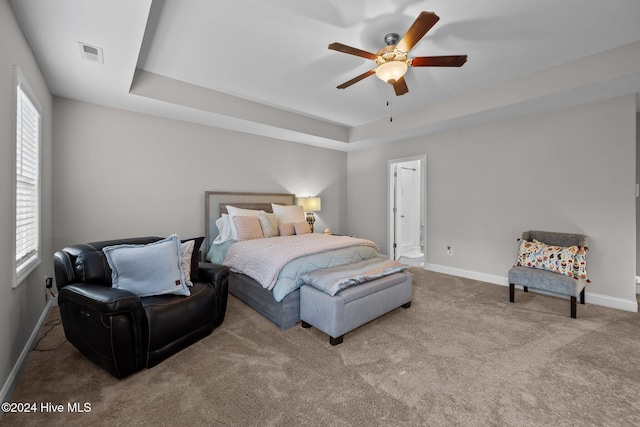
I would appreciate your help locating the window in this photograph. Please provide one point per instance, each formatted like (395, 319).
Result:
(27, 179)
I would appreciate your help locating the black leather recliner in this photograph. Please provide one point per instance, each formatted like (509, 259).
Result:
(122, 332)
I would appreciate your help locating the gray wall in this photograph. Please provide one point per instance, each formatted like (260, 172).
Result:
(638, 198)
(20, 308)
(570, 170)
(119, 174)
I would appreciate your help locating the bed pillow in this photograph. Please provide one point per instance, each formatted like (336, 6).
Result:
(287, 229)
(217, 253)
(225, 229)
(248, 228)
(145, 270)
(287, 214)
(269, 224)
(234, 211)
(302, 227)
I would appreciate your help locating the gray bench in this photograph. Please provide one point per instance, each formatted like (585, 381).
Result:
(354, 306)
(528, 277)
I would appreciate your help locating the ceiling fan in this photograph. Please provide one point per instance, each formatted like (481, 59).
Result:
(392, 59)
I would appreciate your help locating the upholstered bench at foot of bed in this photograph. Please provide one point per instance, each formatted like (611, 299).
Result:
(354, 306)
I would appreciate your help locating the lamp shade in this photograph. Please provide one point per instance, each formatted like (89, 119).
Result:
(309, 204)
(391, 71)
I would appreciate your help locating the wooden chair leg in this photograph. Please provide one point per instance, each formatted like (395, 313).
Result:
(582, 296)
(512, 291)
(573, 307)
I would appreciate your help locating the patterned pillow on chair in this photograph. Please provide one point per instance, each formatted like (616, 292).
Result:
(580, 263)
(531, 254)
(559, 259)
(570, 261)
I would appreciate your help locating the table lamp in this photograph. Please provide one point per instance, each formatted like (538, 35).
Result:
(310, 205)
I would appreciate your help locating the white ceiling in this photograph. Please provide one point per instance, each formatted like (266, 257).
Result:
(263, 66)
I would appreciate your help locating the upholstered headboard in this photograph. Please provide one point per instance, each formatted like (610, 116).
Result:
(254, 206)
(215, 203)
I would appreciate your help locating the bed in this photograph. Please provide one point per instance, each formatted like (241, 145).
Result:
(279, 304)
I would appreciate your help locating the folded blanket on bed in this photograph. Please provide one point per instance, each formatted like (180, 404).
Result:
(333, 280)
(262, 259)
(289, 278)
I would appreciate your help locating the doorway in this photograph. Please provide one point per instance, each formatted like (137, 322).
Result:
(407, 210)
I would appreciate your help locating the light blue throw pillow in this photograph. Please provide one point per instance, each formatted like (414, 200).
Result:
(145, 270)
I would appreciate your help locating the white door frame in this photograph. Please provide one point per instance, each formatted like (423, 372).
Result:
(390, 202)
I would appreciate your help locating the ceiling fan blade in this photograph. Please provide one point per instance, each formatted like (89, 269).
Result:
(400, 87)
(352, 50)
(418, 29)
(356, 79)
(439, 61)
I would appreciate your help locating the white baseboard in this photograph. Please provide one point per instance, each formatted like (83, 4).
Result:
(590, 297)
(613, 302)
(489, 278)
(14, 376)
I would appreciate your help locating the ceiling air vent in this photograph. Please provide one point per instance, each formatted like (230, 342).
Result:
(91, 53)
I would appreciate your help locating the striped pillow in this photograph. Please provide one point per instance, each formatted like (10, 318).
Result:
(248, 227)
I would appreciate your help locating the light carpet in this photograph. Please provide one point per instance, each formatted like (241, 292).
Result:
(460, 355)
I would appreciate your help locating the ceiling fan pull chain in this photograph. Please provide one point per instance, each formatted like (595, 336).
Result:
(390, 105)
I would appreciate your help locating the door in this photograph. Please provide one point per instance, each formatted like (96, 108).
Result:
(407, 212)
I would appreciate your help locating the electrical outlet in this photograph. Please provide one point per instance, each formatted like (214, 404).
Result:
(48, 282)
(449, 251)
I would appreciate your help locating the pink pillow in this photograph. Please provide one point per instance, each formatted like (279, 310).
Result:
(248, 227)
(287, 229)
(302, 227)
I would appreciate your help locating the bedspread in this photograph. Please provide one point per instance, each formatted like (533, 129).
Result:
(289, 278)
(263, 259)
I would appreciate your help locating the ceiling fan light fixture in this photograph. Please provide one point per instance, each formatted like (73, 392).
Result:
(391, 71)
(392, 59)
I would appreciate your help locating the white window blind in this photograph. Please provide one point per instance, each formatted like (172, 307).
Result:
(27, 180)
